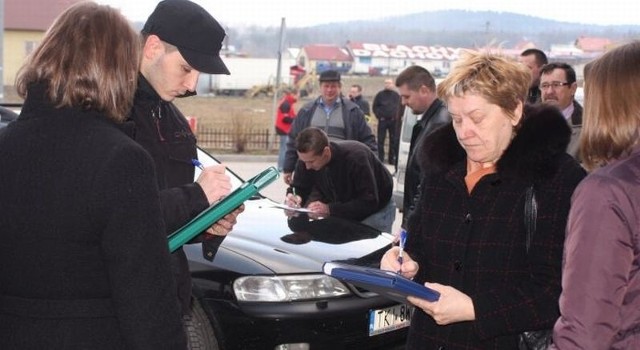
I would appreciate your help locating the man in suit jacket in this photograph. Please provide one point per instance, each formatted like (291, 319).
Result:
(558, 87)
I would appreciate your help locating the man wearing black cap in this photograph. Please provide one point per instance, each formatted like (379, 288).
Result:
(339, 117)
(180, 40)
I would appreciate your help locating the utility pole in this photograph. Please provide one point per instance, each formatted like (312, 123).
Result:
(276, 87)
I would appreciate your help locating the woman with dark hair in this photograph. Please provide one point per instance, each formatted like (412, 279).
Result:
(467, 237)
(600, 300)
(83, 263)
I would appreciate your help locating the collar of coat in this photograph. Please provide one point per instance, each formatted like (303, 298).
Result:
(533, 155)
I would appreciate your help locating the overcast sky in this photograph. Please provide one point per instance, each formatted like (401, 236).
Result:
(300, 13)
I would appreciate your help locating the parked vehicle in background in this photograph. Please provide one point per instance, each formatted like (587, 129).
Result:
(408, 121)
(7, 115)
(265, 289)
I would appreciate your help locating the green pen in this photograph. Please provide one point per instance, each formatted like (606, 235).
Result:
(293, 190)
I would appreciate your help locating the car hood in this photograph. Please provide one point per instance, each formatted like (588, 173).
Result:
(265, 241)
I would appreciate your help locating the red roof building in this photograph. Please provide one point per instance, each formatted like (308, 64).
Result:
(593, 44)
(321, 57)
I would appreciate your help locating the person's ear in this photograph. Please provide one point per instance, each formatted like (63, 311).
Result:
(326, 151)
(152, 47)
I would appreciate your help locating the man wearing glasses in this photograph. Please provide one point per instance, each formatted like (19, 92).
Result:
(558, 87)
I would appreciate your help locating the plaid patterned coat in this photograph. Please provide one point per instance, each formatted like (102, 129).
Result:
(476, 242)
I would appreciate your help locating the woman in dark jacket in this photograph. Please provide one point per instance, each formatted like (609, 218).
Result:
(84, 265)
(467, 235)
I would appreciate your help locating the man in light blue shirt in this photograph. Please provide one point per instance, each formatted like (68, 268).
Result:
(338, 117)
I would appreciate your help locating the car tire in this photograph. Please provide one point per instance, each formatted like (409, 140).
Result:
(200, 335)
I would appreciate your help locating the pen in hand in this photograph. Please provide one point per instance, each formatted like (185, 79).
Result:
(403, 240)
(197, 163)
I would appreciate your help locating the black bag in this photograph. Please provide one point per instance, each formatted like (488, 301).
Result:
(542, 339)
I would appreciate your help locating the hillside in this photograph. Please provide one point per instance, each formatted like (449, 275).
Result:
(448, 27)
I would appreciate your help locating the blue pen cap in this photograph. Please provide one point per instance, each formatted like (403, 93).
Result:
(403, 237)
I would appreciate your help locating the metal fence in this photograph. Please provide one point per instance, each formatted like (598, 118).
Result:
(237, 139)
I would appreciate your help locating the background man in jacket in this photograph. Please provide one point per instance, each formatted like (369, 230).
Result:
(558, 87)
(534, 59)
(345, 179)
(386, 106)
(340, 119)
(355, 95)
(284, 119)
(418, 92)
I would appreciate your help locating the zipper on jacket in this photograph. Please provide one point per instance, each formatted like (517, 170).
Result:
(156, 119)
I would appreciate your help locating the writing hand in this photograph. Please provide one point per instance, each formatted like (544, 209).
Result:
(214, 182)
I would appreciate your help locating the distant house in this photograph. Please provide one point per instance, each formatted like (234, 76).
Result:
(25, 22)
(593, 44)
(391, 59)
(321, 57)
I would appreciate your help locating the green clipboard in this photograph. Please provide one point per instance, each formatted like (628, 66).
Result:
(218, 210)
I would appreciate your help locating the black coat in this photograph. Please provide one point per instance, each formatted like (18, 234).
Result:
(84, 262)
(164, 132)
(476, 242)
(355, 184)
(434, 117)
(386, 105)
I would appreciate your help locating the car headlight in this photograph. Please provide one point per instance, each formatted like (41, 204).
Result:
(288, 288)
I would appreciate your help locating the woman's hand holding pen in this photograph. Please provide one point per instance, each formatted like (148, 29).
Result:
(214, 182)
(408, 268)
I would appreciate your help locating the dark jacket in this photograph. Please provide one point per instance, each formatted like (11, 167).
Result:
(534, 96)
(575, 123)
(386, 105)
(354, 183)
(84, 265)
(362, 103)
(476, 242)
(164, 132)
(434, 117)
(356, 128)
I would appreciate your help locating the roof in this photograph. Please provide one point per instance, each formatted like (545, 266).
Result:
(593, 44)
(35, 15)
(326, 52)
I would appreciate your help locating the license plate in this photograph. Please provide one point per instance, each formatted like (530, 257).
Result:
(389, 319)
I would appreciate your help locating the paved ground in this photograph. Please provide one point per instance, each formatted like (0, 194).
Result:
(247, 166)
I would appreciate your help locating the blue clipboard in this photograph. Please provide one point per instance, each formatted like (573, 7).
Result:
(221, 208)
(388, 284)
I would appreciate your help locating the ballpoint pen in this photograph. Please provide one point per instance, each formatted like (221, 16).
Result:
(403, 240)
(197, 163)
(293, 191)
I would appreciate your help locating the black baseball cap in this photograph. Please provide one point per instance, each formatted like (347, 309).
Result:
(189, 27)
(330, 75)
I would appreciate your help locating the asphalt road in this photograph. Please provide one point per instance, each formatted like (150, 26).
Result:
(248, 166)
